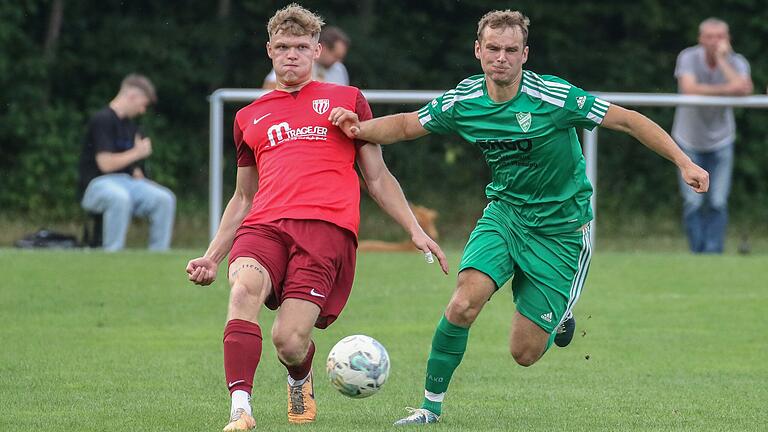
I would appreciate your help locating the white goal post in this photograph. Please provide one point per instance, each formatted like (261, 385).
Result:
(221, 96)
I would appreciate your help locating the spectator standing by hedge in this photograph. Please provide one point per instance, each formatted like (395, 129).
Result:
(707, 134)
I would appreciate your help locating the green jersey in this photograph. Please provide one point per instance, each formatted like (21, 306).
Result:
(530, 144)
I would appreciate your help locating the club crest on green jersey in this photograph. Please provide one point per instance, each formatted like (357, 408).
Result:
(524, 119)
(580, 101)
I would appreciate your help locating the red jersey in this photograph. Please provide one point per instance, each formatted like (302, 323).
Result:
(305, 163)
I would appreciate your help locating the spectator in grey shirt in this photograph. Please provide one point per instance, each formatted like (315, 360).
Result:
(707, 134)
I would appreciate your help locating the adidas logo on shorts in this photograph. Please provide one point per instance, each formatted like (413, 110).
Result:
(547, 317)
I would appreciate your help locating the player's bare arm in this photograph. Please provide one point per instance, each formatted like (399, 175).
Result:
(386, 191)
(655, 138)
(202, 270)
(382, 130)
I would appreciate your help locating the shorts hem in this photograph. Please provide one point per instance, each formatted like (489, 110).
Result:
(323, 321)
(548, 327)
(498, 283)
(305, 297)
(258, 260)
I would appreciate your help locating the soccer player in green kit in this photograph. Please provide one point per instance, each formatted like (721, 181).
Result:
(536, 226)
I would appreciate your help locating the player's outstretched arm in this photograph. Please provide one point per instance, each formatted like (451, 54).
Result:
(385, 190)
(382, 130)
(202, 270)
(656, 139)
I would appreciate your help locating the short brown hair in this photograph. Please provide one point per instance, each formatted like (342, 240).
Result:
(502, 19)
(142, 83)
(294, 20)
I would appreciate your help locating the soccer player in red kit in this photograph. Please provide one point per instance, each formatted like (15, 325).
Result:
(291, 225)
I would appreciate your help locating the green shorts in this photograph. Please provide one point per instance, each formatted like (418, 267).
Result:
(549, 270)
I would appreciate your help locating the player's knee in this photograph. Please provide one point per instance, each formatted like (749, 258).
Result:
(524, 356)
(461, 312)
(290, 346)
(245, 292)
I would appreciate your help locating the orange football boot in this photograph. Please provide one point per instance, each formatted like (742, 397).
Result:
(301, 402)
(240, 421)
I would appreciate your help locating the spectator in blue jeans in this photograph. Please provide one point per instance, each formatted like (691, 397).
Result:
(113, 181)
(707, 134)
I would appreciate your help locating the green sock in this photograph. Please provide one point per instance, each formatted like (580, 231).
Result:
(448, 346)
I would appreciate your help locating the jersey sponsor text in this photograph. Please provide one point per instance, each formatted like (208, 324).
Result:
(523, 145)
(282, 132)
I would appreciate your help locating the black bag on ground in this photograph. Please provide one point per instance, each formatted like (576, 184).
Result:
(46, 239)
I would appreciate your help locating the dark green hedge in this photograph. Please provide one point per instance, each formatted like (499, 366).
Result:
(191, 48)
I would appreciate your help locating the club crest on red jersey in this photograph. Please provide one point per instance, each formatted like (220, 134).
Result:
(321, 105)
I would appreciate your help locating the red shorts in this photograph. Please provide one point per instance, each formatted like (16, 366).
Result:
(312, 260)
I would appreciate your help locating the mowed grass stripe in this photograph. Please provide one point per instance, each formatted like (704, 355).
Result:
(123, 342)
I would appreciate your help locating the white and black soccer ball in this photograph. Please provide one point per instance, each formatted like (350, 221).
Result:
(358, 366)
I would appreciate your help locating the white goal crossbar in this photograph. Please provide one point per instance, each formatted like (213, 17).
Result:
(221, 96)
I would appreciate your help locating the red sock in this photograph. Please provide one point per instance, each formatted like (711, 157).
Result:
(301, 371)
(242, 352)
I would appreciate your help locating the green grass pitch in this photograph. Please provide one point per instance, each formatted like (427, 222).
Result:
(665, 342)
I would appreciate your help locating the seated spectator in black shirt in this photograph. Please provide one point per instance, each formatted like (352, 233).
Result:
(112, 177)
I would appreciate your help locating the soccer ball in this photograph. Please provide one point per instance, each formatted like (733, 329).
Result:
(358, 366)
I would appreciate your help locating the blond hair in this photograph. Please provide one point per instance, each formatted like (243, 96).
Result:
(294, 20)
(502, 19)
(142, 83)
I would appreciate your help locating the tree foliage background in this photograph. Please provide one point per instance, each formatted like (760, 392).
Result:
(63, 59)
